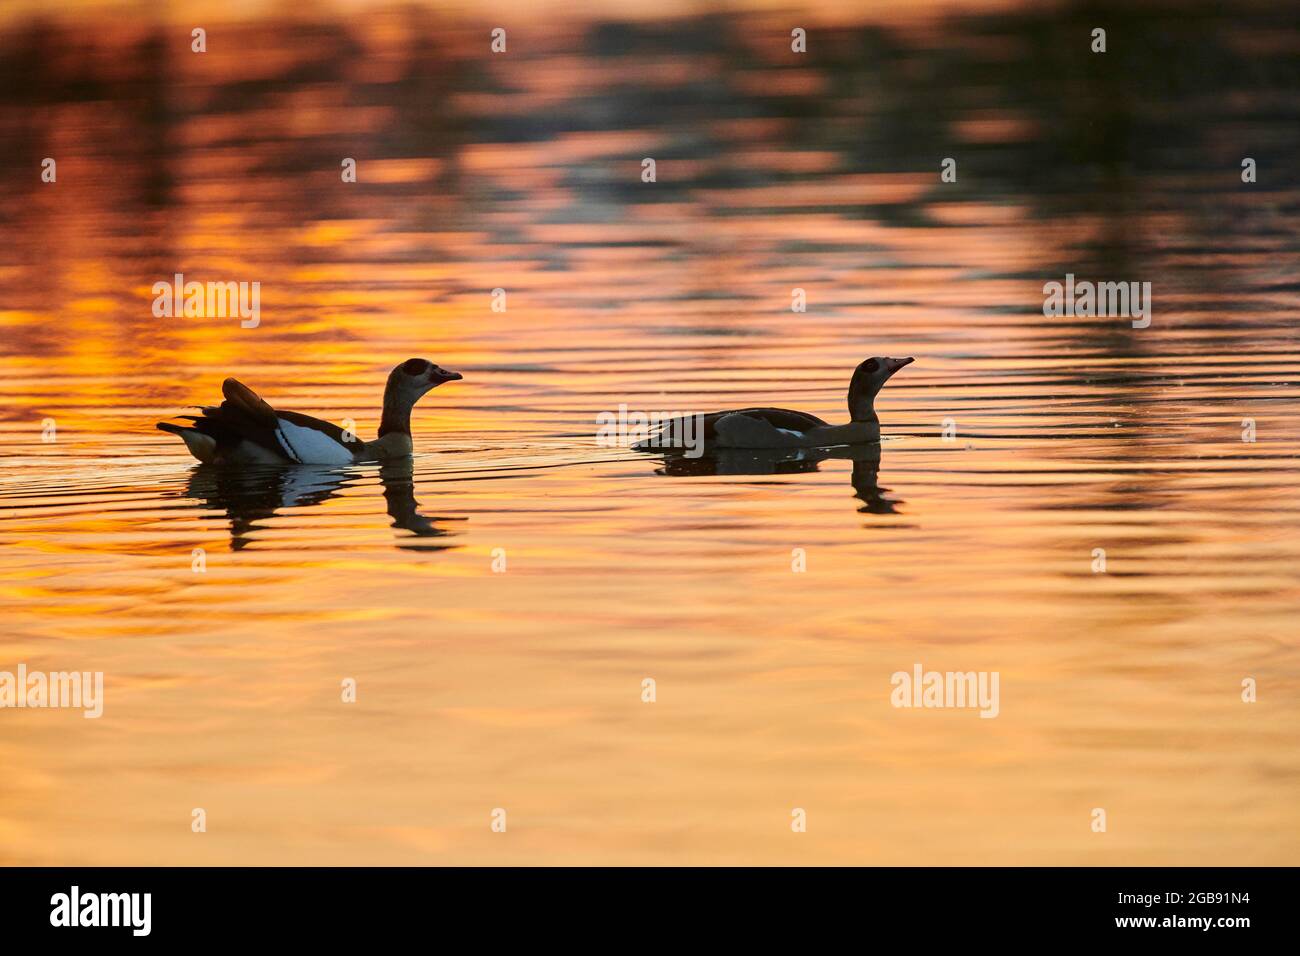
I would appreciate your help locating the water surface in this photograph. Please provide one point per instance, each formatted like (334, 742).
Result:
(500, 601)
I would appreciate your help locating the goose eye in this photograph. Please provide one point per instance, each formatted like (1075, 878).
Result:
(415, 366)
(872, 365)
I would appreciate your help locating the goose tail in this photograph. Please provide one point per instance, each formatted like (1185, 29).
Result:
(201, 446)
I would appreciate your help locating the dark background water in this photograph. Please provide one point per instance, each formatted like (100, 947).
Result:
(521, 689)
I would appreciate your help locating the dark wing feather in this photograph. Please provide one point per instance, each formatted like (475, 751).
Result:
(777, 417)
(243, 416)
(248, 402)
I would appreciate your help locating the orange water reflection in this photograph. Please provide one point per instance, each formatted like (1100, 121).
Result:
(522, 689)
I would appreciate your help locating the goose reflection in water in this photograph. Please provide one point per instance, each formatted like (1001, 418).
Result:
(251, 496)
(792, 461)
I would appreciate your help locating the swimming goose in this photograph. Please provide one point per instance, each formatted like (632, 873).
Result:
(245, 430)
(783, 428)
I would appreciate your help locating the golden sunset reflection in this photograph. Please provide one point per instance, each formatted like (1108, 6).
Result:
(522, 689)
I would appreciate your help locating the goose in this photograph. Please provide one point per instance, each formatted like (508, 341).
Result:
(245, 430)
(783, 428)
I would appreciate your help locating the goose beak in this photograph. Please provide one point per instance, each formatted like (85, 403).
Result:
(443, 375)
(896, 364)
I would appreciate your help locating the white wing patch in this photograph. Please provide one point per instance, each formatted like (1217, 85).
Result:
(308, 446)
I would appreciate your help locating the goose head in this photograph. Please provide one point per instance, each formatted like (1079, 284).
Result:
(407, 384)
(868, 379)
(413, 378)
